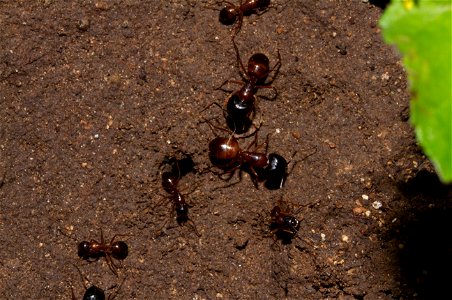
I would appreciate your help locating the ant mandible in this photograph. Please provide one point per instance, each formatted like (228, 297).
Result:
(225, 153)
(170, 181)
(94, 250)
(241, 104)
(232, 13)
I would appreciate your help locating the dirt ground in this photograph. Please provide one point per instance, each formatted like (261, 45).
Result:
(95, 94)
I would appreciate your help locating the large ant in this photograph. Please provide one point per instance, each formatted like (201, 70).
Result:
(232, 13)
(170, 181)
(226, 154)
(241, 104)
(94, 250)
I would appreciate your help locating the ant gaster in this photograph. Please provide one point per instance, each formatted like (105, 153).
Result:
(241, 104)
(170, 181)
(92, 293)
(232, 13)
(94, 250)
(226, 154)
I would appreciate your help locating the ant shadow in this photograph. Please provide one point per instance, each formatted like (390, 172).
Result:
(423, 234)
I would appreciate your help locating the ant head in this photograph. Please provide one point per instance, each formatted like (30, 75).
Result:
(258, 66)
(84, 249)
(292, 223)
(228, 15)
(182, 213)
(119, 250)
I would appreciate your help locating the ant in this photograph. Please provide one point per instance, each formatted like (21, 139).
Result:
(283, 225)
(170, 181)
(94, 292)
(241, 104)
(226, 154)
(232, 13)
(93, 250)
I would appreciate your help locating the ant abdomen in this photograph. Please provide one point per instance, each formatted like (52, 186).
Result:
(223, 152)
(275, 172)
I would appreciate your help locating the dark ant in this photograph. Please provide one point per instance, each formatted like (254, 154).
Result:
(94, 292)
(241, 104)
(283, 225)
(226, 154)
(232, 13)
(94, 250)
(170, 181)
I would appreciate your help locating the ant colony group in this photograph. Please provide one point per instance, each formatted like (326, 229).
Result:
(225, 152)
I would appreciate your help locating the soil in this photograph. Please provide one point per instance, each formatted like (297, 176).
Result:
(96, 94)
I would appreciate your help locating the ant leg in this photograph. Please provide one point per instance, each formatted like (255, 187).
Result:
(160, 230)
(237, 27)
(242, 69)
(193, 225)
(210, 105)
(268, 86)
(275, 69)
(102, 237)
(111, 264)
(113, 296)
(229, 81)
(81, 276)
(116, 235)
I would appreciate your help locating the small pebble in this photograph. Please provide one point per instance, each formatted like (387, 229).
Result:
(377, 204)
(84, 24)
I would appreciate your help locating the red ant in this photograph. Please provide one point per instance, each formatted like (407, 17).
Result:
(94, 292)
(170, 181)
(226, 154)
(241, 104)
(232, 13)
(94, 250)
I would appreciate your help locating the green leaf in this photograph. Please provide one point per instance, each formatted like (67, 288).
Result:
(422, 32)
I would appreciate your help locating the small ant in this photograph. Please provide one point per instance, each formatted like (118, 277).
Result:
(226, 154)
(94, 292)
(241, 104)
(93, 250)
(283, 225)
(232, 13)
(170, 181)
